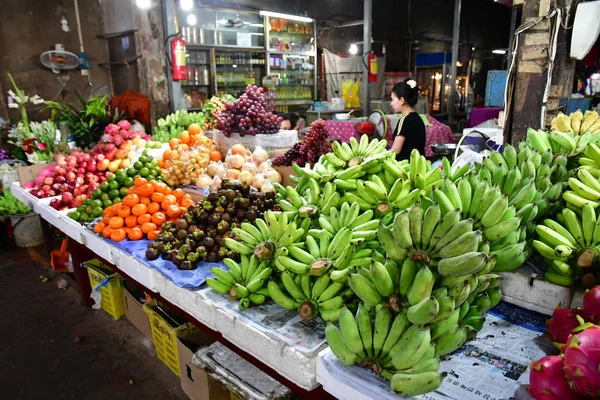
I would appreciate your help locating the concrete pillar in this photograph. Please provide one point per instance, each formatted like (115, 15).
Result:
(532, 63)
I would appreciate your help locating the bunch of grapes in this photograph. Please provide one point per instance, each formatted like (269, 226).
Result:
(308, 152)
(248, 115)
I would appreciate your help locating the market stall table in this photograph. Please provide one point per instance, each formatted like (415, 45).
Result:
(296, 368)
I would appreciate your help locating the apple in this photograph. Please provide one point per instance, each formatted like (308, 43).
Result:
(61, 171)
(121, 153)
(78, 200)
(80, 171)
(63, 187)
(84, 188)
(86, 157)
(71, 176)
(51, 193)
(93, 186)
(100, 157)
(93, 178)
(91, 166)
(125, 163)
(102, 164)
(102, 178)
(48, 181)
(111, 154)
(80, 180)
(56, 187)
(46, 188)
(56, 204)
(66, 197)
(83, 164)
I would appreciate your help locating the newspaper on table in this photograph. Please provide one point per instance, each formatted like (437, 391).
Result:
(305, 336)
(495, 366)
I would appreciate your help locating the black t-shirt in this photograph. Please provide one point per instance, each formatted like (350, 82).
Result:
(413, 130)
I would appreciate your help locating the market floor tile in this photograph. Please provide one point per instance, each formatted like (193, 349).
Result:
(53, 347)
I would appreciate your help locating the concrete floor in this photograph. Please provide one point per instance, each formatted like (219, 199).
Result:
(52, 347)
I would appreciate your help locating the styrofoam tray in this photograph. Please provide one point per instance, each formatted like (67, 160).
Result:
(23, 196)
(96, 244)
(48, 213)
(70, 227)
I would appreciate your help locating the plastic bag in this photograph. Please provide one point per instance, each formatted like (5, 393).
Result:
(216, 183)
(469, 156)
(258, 181)
(250, 166)
(267, 187)
(272, 175)
(203, 181)
(218, 168)
(259, 155)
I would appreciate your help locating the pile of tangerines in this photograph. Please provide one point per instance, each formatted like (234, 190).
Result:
(146, 207)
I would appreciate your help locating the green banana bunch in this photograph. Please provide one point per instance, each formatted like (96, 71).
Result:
(362, 225)
(308, 204)
(330, 251)
(245, 281)
(267, 238)
(431, 235)
(560, 141)
(312, 296)
(569, 246)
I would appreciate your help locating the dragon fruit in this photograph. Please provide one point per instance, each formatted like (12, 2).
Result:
(562, 323)
(124, 124)
(582, 360)
(591, 304)
(547, 380)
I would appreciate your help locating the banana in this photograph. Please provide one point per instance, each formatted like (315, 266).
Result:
(416, 384)
(582, 190)
(479, 192)
(588, 223)
(494, 213)
(467, 242)
(408, 274)
(281, 298)
(414, 349)
(426, 364)
(238, 246)
(363, 321)
(388, 243)
(450, 341)
(444, 202)
(560, 280)
(440, 327)
(465, 193)
(578, 201)
(422, 285)
(551, 237)
(364, 290)
(415, 217)
(509, 253)
(574, 225)
(332, 290)
(501, 229)
(453, 233)
(381, 279)
(349, 332)
(383, 323)
(423, 312)
(402, 235)
(399, 326)
(451, 191)
(449, 220)
(510, 155)
(336, 343)
(461, 265)
(218, 286)
(546, 251)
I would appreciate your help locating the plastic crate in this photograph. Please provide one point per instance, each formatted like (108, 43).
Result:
(164, 335)
(111, 287)
(233, 396)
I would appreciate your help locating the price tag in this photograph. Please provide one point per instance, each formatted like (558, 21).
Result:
(244, 39)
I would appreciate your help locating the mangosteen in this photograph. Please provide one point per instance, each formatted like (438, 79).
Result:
(204, 216)
(245, 190)
(214, 218)
(188, 218)
(219, 209)
(245, 203)
(237, 202)
(201, 251)
(151, 254)
(155, 245)
(208, 242)
(175, 258)
(240, 214)
(168, 226)
(237, 186)
(207, 205)
(276, 207)
(213, 196)
(251, 215)
(219, 240)
(185, 249)
(182, 235)
(211, 257)
(181, 225)
(192, 228)
(259, 196)
(185, 266)
(269, 204)
(199, 235)
(229, 195)
(167, 237)
(226, 217)
(270, 195)
(222, 252)
(215, 248)
(211, 231)
(222, 226)
(231, 209)
(191, 242)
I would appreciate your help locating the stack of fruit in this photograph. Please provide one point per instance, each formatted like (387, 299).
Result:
(201, 233)
(309, 151)
(213, 108)
(174, 124)
(248, 115)
(146, 206)
(574, 374)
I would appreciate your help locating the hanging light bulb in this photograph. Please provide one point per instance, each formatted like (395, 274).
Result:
(143, 4)
(186, 5)
(191, 20)
(353, 48)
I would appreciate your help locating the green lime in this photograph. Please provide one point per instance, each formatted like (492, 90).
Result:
(81, 209)
(154, 163)
(117, 200)
(76, 215)
(107, 203)
(104, 196)
(148, 165)
(111, 177)
(113, 185)
(123, 191)
(120, 176)
(143, 159)
(97, 212)
(131, 172)
(128, 182)
(97, 203)
(144, 172)
(151, 177)
(85, 217)
(113, 194)
(89, 209)
(138, 165)
(104, 186)
(96, 194)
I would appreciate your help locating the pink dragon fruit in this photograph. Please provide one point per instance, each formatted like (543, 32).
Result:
(591, 304)
(547, 380)
(112, 129)
(582, 360)
(562, 323)
(124, 124)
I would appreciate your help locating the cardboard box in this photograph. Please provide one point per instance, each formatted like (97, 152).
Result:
(285, 173)
(28, 174)
(194, 381)
(136, 315)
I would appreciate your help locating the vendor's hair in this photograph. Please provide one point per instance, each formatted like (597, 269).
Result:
(292, 117)
(411, 95)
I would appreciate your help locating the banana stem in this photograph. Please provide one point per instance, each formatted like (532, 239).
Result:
(372, 365)
(308, 309)
(587, 257)
(420, 257)
(383, 208)
(264, 251)
(232, 294)
(319, 267)
(354, 161)
(394, 303)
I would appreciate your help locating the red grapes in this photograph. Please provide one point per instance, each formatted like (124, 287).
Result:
(248, 115)
(308, 152)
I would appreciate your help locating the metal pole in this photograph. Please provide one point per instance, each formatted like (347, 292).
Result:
(452, 83)
(367, 49)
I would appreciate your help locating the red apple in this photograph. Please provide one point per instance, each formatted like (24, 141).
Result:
(46, 188)
(51, 193)
(48, 181)
(100, 157)
(80, 180)
(81, 171)
(56, 204)
(91, 167)
(93, 178)
(66, 197)
(60, 179)
(56, 187)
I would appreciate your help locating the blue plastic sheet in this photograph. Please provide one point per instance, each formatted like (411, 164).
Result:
(185, 279)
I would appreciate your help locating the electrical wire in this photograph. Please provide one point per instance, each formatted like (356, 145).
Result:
(409, 30)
